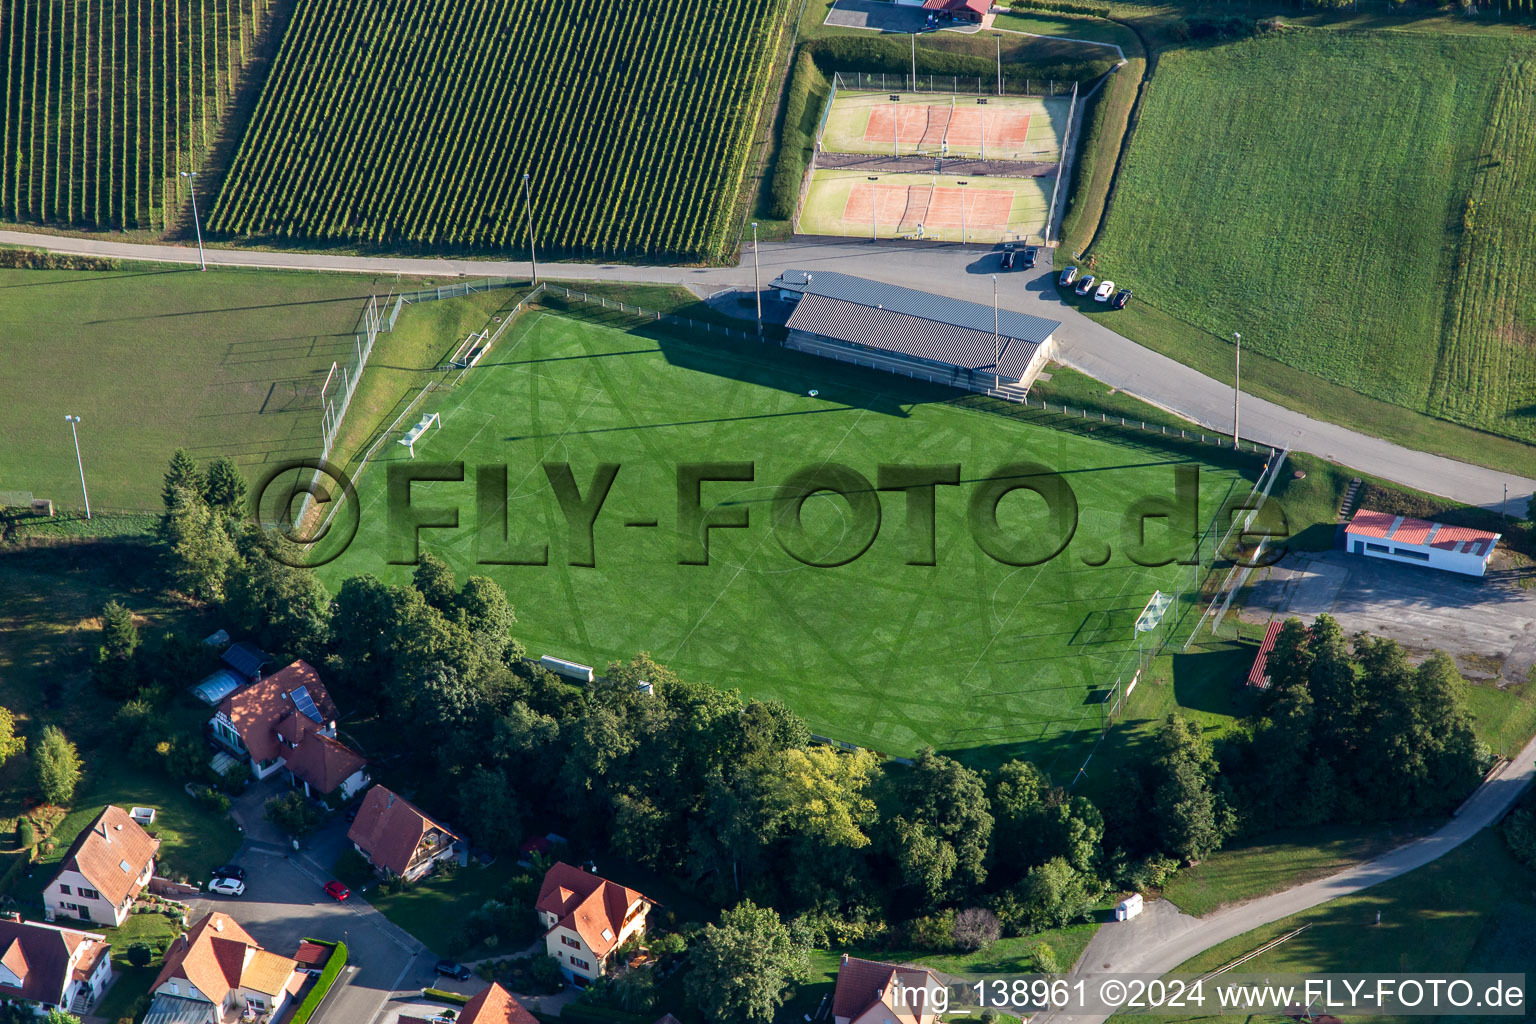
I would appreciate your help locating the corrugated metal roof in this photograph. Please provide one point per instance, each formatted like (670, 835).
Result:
(925, 305)
(1420, 532)
(890, 331)
(178, 1010)
(1259, 675)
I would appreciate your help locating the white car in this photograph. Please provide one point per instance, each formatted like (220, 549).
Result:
(1106, 289)
(227, 887)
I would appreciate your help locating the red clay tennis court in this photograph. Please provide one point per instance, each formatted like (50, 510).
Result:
(927, 125)
(911, 205)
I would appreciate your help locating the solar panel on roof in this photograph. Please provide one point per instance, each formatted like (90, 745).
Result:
(305, 704)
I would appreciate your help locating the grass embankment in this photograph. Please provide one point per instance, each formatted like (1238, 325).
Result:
(1330, 234)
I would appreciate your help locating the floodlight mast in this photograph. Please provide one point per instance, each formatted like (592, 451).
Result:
(533, 256)
(74, 431)
(1237, 385)
(191, 177)
(757, 286)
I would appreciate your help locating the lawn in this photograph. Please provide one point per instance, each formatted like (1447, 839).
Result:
(433, 909)
(973, 656)
(228, 362)
(133, 982)
(1344, 238)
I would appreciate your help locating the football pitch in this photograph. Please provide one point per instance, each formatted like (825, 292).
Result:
(979, 658)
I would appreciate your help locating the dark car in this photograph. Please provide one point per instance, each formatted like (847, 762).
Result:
(1085, 284)
(1067, 276)
(1030, 255)
(450, 969)
(234, 871)
(1122, 297)
(1009, 257)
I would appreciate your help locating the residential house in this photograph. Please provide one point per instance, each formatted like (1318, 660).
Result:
(48, 966)
(216, 972)
(397, 837)
(287, 721)
(872, 992)
(495, 1005)
(587, 917)
(108, 864)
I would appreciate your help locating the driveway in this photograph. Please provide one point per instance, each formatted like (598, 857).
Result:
(1488, 625)
(880, 16)
(284, 904)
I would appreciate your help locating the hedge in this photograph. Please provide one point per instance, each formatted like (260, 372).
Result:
(444, 996)
(8, 877)
(894, 57)
(323, 984)
(1064, 6)
(801, 116)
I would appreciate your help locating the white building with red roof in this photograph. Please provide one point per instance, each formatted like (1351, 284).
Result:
(107, 866)
(217, 973)
(587, 917)
(1409, 541)
(47, 966)
(874, 992)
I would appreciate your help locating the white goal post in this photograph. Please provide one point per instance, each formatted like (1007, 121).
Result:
(422, 425)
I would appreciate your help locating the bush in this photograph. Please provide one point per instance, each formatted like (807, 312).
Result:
(893, 57)
(546, 973)
(140, 954)
(935, 931)
(213, 800)
(976, 928)
(27, 259)
(1044, 958)
(444, 996)
(1520, 835)
(801, 116)
(1065, 6)
(292, 813)
(26, 834)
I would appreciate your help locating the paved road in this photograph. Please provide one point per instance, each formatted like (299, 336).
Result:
(1158, 943)
(956, 270)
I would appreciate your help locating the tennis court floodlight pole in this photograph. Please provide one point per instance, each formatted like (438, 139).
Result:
(997, 347)
(914, 62)
(962, 185)
(202, 264)
(999, 65)
(757, 287)
(874, 204)
(533, 255)
(74, 430)
(1237, 384)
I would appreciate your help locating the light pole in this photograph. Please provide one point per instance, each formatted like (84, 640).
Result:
(874, 205)
(74, 430)
(962, 185)
(997, 347)
(757, 287)
(914, 62)
(533, 256)
(1237, 385)
(191, 177)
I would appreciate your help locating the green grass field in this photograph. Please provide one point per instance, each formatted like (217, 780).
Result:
(1375, 239)
(1025, 128)
(971, 655)
(841, 202)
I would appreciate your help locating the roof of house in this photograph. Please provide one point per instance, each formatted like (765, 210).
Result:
(978, 6)
(169, 1009)
(39, 955)
(217, 956)
(495, 1005)
(587, 904)
(1422, 533)
(112, 852)
(255, 710)
(862, 984)
(319, 760)
(245, 658)
(389, 828)
(1259, 675)
(908, 322)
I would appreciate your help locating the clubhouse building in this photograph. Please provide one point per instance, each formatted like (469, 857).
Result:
(917, 334)
(1398, 538)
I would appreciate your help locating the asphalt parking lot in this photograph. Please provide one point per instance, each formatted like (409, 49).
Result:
(1488, 625)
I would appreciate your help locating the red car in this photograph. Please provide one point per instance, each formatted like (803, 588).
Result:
(336, 891)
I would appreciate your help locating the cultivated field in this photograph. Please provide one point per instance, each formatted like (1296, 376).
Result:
(1371, 228)
(985, 208)
(223, 363)
(1020, 128)
(413, 124)
(106, 102)
(969, 654)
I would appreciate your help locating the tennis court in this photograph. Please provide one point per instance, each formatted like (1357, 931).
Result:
(936, 206)
(1023, 128)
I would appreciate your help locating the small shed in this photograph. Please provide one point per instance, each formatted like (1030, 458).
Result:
(1129, 907)
(246, 660)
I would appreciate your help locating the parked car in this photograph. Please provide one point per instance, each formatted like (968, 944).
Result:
(1068, 276)
(1085, 284)
(450, 969)
(227, 887)
(1009, 257)
(1121, 299)
(234, 871)
(1031, 254)
(1106, 289)
(336, 891)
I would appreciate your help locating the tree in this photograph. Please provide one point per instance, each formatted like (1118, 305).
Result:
(1193, 818)
(820, 791)
(939, 832)
(1054, 894)
(976, 928)
(1045, 959)
(745, 967)
(1290, 661)
(224, 487)
(488, 811)
(292, 813)
(488, 616)
(140, 954)
(287, 609)
(10, 743)
(55, 767)
(182, 475)
(435, 581)
(57, 1016)
(201, 551)
(115, 671)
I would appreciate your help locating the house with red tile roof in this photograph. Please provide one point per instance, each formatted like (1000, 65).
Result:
(48, 966)
(287, 721)
(873, 992)
(397, 837)
(217, 970)
(495, 1005)
(109, 863)
(1409, 541)
(587, 917)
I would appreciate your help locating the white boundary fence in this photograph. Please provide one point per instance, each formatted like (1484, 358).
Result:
(1061, 165)
(1238, 574)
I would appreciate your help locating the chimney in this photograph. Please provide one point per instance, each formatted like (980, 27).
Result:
(845, 958)
(218, 923)
(12, 916)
